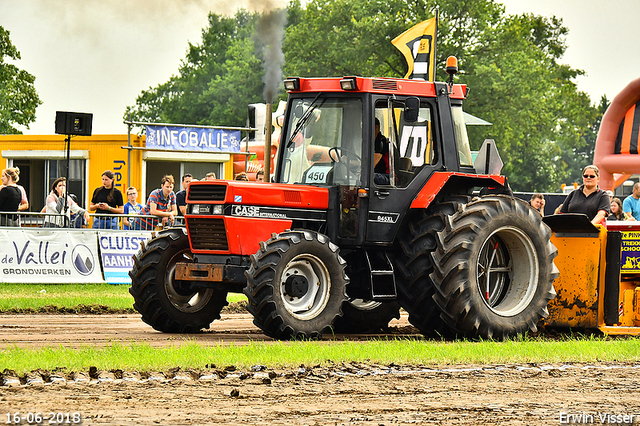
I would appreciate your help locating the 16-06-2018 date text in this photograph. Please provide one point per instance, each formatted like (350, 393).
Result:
(50, 418)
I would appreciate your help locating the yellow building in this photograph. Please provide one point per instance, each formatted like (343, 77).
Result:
(43, 158)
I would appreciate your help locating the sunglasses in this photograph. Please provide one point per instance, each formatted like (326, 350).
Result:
(132, 193)
(589, 176)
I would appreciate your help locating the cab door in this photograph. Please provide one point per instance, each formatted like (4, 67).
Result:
(407, 124)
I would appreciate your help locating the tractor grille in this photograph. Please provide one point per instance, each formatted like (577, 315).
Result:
(207, 234)
(207, 192)
(385, 85)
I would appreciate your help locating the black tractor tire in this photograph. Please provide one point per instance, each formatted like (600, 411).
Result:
(296, 285)
(166, 304)
(493, 269)
(366, 316)
(414, 284)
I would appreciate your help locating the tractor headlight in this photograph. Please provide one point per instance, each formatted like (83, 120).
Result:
(201, 209)
(218, 209)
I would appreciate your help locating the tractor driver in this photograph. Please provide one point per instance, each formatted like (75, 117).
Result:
(380, 157)
(588, 198)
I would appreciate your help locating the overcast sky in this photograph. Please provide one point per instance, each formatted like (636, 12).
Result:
(97, 56)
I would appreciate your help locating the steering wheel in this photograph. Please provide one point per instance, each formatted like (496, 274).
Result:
(339, 152)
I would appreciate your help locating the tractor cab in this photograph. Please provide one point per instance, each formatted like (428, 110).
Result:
(330, 139)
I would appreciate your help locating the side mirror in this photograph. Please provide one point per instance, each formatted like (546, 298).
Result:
(411, 110)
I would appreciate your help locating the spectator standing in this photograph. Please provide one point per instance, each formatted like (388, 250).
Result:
(210, 176)
(260, 176)
(181, 196)
(161, 202)
(132, 207)
(105, 200)
(631, 204)
(10, 196)
(55, 206)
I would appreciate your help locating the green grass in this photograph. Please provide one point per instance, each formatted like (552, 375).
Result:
(143, 357)
(15, 297)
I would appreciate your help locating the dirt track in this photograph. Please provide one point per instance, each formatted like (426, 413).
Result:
(340, 394)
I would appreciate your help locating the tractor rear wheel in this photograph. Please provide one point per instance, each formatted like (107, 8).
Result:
(493, 269)
(414, 282)
(366, 316)
(296, 285)
(167, 304)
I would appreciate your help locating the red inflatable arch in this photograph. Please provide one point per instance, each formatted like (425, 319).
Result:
(617, 144)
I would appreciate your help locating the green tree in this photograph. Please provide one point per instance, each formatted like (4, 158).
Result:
(575, 160)
(538, 114)
(511, 64)
(18, 96)
(217, 80)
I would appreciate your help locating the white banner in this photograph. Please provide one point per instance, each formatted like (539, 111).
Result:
(116, 252)
(42, 255)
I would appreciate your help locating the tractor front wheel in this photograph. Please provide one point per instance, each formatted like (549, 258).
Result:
(296, 285)
(165, 303)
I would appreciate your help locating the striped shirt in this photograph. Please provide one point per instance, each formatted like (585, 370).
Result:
(162, 204)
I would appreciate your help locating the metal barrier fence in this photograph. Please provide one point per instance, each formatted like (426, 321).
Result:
(96, 221)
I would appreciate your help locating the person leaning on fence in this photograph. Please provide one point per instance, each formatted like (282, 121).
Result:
(55, 207)
(162, 203)
(133, 207)
(10, 196)
(107, 199)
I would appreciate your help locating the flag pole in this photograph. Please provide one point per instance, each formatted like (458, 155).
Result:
(435, 44)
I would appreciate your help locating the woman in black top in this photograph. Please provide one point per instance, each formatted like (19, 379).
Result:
(10, 196)
(588, 198)
(105, 200)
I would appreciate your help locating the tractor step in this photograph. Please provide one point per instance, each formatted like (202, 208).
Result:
(383, 281)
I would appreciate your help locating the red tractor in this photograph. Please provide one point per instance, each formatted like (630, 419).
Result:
(339, 243)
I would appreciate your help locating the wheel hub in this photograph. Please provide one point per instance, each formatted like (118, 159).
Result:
(507, 272)
(305, 286)
(296, 286)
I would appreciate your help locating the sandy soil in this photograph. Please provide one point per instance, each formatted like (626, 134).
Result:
(351, 394)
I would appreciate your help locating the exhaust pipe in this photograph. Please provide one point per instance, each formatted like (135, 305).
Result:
(267, 142)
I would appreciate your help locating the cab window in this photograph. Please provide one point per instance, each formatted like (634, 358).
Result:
(324, 142)
(410, 143)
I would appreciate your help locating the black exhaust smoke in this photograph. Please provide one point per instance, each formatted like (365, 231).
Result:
(269, 33)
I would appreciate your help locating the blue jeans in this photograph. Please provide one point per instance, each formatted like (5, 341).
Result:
(106, 223)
